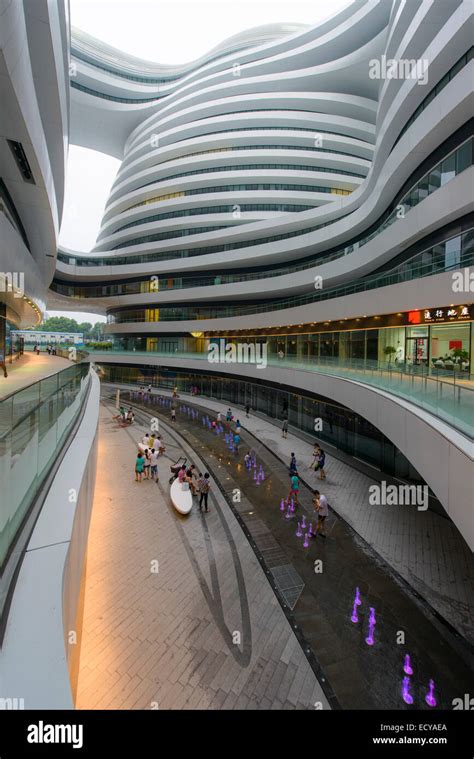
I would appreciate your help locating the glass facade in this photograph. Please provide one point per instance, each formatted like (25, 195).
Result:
(434, 346)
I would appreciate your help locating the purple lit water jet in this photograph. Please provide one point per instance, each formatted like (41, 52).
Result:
(306, 541)
(430, 697)
(407, 665)
(299, 532)
(372, 622)
(354, 617)
(406, 695)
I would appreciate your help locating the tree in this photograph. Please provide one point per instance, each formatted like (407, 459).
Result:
(389, 350)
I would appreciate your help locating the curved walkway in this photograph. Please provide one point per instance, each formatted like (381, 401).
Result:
(425, 548)
(172, 618)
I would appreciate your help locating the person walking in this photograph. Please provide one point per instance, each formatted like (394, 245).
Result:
(139, 467)
(228, 416)
(204, 488)
(146, 464)
(173, 414)
(284, 428)
(154, 465)
(293, 467)
(321, 507)
(294, 487)
(247, 410)
(237, 427)
(314, 463)
(321, 462)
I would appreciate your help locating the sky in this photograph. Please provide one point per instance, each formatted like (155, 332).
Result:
(165, 32)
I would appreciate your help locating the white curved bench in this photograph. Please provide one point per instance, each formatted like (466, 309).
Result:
(181, 499)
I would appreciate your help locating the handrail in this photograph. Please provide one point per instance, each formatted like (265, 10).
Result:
(35, 423)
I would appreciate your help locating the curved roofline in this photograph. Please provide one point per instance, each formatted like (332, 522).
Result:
(248, 38)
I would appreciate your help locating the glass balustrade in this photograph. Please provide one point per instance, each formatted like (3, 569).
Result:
(34, 425)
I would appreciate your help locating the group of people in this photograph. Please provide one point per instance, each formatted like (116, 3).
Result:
(146, 462)
(50, 350)
(320, 502)
(227, 422)
(125, 416)
(199, 483)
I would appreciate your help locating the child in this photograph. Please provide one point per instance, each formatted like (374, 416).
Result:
(139, 467)
(295, 487)
(321, 462)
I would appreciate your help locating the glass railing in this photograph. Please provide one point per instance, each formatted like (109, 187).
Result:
(34, 425)
(448, 395)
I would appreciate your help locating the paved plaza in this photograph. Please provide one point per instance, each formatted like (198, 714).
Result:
(165, 639)
(425, 548)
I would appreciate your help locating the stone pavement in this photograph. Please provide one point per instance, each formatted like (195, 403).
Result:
(425, 548)
(178, 613)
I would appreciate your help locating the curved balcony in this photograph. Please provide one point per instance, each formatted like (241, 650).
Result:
(446, 395)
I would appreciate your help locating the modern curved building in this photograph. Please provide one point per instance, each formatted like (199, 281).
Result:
(291, 231)
(34, 128)
(306, 192)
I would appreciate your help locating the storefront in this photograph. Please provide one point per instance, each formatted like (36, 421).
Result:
(438, 338)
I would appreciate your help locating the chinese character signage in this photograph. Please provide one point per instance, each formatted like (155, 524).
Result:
(441, 314)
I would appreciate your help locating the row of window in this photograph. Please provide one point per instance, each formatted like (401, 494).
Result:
(77, 53)
(253, 167)
(455, 253)
(449, 254)
(243, 207)
(458, 66)
(260, 148)
(232, 246)
(268, 113)
(456, 162)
